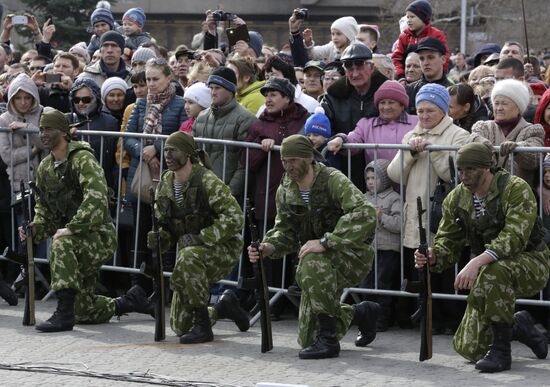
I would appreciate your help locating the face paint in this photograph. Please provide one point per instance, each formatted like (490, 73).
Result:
(296, 167)
(175, 158)
(51, 137)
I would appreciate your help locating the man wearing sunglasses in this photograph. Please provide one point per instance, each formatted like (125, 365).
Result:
(351, 98)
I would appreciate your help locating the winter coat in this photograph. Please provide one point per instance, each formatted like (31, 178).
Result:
(104, 147)
(415, 171)
(326, 53)
(251, 97)
(228, 122)
(407, 39)
(524, 135)
(56, 98)
(134, 41)
(172, 117)
(539, 116)
(479, 112)
(99, 74)
(276, 126)
(13, 148)
(388, 226)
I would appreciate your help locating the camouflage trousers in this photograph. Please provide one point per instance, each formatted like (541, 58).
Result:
(74, 264)
(196, 268)
(322, 278)
(492, 299)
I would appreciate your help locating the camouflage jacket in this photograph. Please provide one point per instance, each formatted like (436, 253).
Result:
(337, 210)
(519, 209)
(217, 220)
(71, 194)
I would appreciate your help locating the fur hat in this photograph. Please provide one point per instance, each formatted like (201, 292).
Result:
(434, 93)
(135, 16)
(199, 93)
(513, 89)
(346, 25)
(422, 9)
(391, 90)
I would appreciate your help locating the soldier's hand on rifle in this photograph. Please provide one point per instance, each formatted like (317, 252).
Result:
(420, 259)
(311, 246)
(266, 249)
(23, 234)
(62, 232)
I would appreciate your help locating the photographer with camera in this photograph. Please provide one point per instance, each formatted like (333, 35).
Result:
(41, 38)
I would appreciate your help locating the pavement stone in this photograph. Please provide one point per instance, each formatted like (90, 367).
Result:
(126, 346)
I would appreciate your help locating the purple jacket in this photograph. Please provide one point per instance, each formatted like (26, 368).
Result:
(377, 131)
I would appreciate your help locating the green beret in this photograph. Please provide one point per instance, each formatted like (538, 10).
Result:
(300, 146)
(54, 119)
(476, 155)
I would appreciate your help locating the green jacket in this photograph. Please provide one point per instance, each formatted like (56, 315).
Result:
(457, 227)
(72, 194)
(251, 98)
(336, 210)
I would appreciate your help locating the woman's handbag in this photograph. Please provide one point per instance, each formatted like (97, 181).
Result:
(148, 179)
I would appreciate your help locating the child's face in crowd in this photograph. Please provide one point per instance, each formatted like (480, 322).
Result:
(338, 38)
(101, 27)
(414, 22)
(547, 114)
(129, 28)
(192, 108)
(317, 140)
(546, 179)
(140, 89)
(372, 182)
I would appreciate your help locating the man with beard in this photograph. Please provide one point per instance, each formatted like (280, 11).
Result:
(196, 210)
(72, 209)
(321, 214)
(496, 215)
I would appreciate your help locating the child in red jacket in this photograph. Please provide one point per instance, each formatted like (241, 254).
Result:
(419, 14)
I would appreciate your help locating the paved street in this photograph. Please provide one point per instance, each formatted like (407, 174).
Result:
(126, 346)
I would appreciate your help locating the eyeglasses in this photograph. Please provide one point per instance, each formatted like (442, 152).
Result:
(358, 63)
(77, 100)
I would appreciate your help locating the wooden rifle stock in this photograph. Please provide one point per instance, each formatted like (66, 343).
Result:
(261, 282)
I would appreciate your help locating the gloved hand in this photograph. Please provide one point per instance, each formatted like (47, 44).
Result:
(164, 237)
(187, 240)
(507, 147)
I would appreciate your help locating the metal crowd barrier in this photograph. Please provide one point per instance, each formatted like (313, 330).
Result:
(280, 290)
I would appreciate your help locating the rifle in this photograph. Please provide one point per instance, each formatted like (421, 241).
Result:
(424, 290)
(155, 270)
(261, 282)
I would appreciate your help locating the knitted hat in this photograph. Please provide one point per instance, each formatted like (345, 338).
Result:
(143, 54)
(199, 93)
(256, 42)
(346, 25)
(135, 16)
(112, 83)
(54, 119)
(422, 9)
(546, 162)
(318, 123)
(102, 15)
(434, 93)
(224, 77)
(392, 90)
(112, 36)
(476, 155)
(432, 44)
(281, 85)
(80, 49)
(515, 90)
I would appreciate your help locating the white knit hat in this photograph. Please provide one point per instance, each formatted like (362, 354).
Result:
(348, 26)
(513, 89)
(111, 84)
(199, 93)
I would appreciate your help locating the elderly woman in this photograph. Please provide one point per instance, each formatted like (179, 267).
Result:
(421, 172)
(113, 96)
(392, 123)
(509, 129)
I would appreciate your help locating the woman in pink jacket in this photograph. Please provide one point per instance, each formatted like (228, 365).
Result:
(389, 127)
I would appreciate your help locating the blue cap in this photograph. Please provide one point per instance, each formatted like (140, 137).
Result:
(102, 15)
(136, 16)
(318, 123)
(434, 93)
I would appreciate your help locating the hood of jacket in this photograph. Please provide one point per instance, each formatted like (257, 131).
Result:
(25, 83)
(541, 107)
(78, 84)
(380, 168)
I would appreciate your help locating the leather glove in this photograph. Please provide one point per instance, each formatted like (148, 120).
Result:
(188, 240)
(507, 147)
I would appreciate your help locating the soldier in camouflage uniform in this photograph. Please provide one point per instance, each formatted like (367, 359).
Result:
(71, 207)
(321, 214)
(496, 214)
(196, 210)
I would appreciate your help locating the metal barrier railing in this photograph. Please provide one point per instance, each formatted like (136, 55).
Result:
(279, 290)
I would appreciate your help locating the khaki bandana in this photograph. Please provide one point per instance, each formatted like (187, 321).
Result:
(299, 146)
(476, 155)
(186, 144)
(54, 119)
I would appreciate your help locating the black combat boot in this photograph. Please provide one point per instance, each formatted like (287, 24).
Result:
(365, 316)
(135, 300)
(228, 307)
(201, 331)
(63, 317)
(326, 345)
(7, 293)
(525, 332)
(499, 356)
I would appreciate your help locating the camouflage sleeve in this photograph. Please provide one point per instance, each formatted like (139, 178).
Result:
(91, 212)
(450, 238)
(359, 220)
(520, 209)
(230, 219)
(283, 235)
(163, 221)
(43, 217)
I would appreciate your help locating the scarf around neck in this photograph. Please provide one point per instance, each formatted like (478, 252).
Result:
(155, 106)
